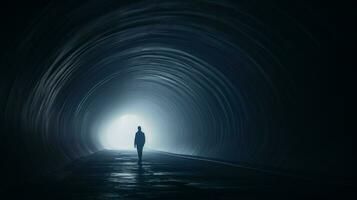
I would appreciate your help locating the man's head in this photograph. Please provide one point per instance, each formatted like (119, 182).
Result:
(139, 128)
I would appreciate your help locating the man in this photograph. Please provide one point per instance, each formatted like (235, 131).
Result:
(139, 143)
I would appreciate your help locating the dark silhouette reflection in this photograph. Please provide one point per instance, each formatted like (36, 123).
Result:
(139, 143)
(139, 175)
(140, 171)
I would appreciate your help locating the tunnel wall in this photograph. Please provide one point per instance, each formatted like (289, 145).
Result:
(251, 82)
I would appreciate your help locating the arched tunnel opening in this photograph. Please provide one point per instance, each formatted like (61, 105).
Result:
(237, 81)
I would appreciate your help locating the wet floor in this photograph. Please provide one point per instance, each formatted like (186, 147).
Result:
(116, 175)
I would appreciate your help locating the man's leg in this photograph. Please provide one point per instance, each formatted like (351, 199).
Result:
(140, 152)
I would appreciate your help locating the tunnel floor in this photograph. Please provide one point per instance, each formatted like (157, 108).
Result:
(116, 175)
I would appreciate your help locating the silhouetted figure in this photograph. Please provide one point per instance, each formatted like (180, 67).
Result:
(139, 143)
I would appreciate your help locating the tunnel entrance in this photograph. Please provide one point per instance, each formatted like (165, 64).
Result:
(119, 133)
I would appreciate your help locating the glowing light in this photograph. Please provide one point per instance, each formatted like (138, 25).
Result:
(120, 132)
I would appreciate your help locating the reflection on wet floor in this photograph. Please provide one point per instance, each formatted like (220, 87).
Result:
(116, 175)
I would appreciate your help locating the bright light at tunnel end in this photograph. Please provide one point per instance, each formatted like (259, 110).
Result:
(119, 133)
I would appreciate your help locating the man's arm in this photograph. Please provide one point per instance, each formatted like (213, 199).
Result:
(135, 140)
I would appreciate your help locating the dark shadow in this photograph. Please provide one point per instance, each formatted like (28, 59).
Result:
(139, 175)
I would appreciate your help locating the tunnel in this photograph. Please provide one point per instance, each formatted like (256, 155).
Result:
(249, 82)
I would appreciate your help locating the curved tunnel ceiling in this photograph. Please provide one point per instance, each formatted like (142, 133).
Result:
(209, 77)
(188, 69)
